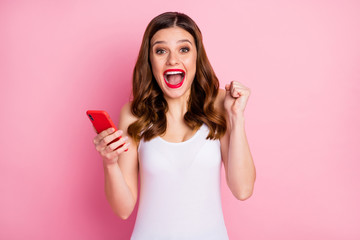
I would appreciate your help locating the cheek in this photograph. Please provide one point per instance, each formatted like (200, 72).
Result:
(155, 65)
(191, 64)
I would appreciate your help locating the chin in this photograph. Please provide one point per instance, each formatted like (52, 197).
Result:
(177, 93)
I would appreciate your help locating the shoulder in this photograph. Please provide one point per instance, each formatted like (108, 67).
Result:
(126, 117)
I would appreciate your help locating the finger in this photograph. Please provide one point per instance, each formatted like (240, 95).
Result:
(114, 155)
(109, 138)
(103, 134)
(236, 83)
(123, 148)
(100, 147)
(233, 87)
(227, 87)
(113, 146)
(235, 91)
(232, 84)
(244, 91)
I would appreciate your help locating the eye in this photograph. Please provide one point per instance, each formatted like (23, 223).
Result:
(160, 51)
(184, 49)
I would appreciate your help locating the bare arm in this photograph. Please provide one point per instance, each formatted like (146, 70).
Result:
(240, 169)
(238, 161)
(120, 166)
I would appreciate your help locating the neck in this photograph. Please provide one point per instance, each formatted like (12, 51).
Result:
(177, 107)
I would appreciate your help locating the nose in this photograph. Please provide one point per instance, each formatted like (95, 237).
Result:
(172, 59)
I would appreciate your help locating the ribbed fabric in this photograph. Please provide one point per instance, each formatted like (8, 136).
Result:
(180, 190)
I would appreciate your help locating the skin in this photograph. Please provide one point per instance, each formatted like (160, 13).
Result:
(174, 48)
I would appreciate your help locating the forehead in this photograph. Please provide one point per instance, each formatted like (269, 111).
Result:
(171, 35)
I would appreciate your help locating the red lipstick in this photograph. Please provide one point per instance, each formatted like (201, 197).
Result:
(179, 74)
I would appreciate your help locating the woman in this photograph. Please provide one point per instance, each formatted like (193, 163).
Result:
(175, 132)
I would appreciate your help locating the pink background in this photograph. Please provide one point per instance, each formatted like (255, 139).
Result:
(300, 59)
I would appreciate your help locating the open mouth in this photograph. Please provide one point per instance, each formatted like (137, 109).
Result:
(174, 78)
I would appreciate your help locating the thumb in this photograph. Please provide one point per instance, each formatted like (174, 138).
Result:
(227, 87)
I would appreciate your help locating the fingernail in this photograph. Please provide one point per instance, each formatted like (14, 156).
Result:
(127, 145)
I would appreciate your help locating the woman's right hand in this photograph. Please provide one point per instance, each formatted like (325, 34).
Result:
(111, 152)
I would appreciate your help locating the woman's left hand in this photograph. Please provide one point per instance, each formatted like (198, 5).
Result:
(236, 98)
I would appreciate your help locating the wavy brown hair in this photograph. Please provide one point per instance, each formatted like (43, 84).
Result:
(149, 104)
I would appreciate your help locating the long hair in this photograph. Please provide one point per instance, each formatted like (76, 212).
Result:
(149, 104)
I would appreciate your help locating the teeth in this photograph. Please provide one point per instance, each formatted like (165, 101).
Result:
(175, 72)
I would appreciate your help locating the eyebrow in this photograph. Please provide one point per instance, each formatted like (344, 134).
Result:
(180, 41)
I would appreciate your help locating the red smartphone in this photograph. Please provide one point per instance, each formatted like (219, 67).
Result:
(101, 121)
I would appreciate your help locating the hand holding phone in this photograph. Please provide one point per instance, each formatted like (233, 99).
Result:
(108, 141)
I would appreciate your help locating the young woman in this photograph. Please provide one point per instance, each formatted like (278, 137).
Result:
(177, 130)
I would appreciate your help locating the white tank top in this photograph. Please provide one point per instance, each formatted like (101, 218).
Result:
(180, 190)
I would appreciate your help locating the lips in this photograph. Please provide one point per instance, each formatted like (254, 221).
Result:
(174, 78)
